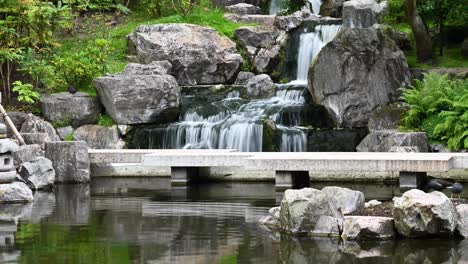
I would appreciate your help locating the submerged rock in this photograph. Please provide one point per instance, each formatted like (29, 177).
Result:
(272, 220)
(38, 173)
(99, 137)
(363, 13)
(16, 192)
(348, 200)
(368, 227)
(355, 73)
(310, 211)
(199, 55)
(243, 9)
(420, 214)
(57, 108)
(383, 141)
(70, 160)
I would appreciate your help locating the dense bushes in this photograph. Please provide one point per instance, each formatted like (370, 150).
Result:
(439, 106)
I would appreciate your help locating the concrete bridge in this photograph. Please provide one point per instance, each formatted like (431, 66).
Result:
(291, 169)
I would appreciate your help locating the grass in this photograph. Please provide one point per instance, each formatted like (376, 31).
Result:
(105, 120)
(117, 35)
(452, 58)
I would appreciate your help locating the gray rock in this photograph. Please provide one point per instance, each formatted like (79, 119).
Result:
(36, 138)
(8, 146)
(332, 8)
(199, 55)
(38, 173)
(288, 23)
(16, 192)
(123, 129)
(154, 68)
(348, 200)
(268, 60)
(99, 137)
(462, 219)
(36, 125)
(420, 214)
(18, 118)
(265, 20)
(257, 36)
(272, 219)
(64, 132)
(383, 141)
(454, 73)
(464, 48)
(355, 73)
(401, 38)
(27, 153)
(387, 117)
(139, 99)
(363, 13)
(367, 227)
(310, 211)
(58, 107)
(372, 203)
(243, 9)
(399, 149)
(243, 78)
(7, 176)
(70, 160)
(224, 3)
(260, 86)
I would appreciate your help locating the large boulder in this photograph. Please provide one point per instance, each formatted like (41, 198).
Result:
(260, 86)
(355, 73)
(199, 55)
(138, 99)
(268, 59)
(243, 9)
(38, 173)
(462, 219)
(70, 160)
(27, 153)
(56, 108)
(257, 36)
(310, 211)
(387, 117)
(363, 13)
(368, 227)
(383, 141)
(99, 137)
(420, 214)
(333, 8)
(243, 78)
(153, 68)
(348, 200)
(36, 125)
(16, 192)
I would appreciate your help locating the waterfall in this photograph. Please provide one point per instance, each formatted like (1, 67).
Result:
(234, 123)
(310, 44)
(276, 6)
(316, 4)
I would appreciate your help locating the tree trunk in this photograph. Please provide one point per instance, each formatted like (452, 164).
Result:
(424, 49)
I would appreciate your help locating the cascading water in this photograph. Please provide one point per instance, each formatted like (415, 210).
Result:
(310, 44)
(233, 123)
(277, 6)
(316, 4)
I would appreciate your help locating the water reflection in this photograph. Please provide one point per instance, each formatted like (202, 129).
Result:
(128, 221)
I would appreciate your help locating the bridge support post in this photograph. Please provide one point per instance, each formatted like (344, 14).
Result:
(182, 176)
(291, 179)
(412, 180)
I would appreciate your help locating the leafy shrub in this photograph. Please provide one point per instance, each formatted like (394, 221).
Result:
(26, 94)
(105, 120)
(70, 137)
(439, 106)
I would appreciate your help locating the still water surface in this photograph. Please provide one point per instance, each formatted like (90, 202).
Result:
(144, 221)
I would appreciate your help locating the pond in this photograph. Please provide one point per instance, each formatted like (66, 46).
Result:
(144, 221)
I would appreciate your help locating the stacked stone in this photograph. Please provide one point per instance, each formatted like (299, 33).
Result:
(7, 168)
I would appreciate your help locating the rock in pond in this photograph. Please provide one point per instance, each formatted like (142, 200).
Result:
(16, 192)
(79, 108)
(38, 173)
(383, 141)
(355, 73)
(272, 219)
(99, 137)
(420, 214)
(70, 160)
(199, 55)
(348, 200)
(368, 227)
(310, 211)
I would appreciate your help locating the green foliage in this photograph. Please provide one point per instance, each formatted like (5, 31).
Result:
(62, 123)
(105, 120)
(439, 106)
(396, 12)
(451, 58)
(70, 137)
(79, 68)
(26, 94)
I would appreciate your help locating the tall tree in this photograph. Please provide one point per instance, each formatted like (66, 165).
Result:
(424, 49)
